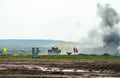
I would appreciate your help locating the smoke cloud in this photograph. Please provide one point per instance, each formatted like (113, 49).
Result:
(108, 15)
(64, 46)
(109, 21)
(112, 39)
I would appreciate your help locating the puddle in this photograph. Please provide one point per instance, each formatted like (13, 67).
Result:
(67, 71)
(36, 67)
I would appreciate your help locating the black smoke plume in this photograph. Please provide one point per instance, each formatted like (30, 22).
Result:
(109, 20)
(112, 39)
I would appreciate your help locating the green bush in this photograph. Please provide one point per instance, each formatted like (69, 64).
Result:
(106, 54)
(84, 54)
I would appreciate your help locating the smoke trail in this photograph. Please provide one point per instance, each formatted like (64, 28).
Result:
(109, 20)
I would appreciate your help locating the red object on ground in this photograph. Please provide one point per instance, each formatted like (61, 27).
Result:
(76, 50)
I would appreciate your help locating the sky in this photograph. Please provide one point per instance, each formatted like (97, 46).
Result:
(68, 20)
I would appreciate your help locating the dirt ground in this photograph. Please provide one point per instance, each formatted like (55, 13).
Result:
(58, 69)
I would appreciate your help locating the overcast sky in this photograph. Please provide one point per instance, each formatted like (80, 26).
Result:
(67, 20)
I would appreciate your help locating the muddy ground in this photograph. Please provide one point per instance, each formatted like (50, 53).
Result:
(58, 69)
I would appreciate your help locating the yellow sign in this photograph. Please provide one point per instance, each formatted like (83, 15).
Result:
(4, 49)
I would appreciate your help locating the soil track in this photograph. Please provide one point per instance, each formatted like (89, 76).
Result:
(58, 69)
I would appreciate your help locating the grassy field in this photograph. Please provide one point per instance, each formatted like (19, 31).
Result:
(59, 57)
